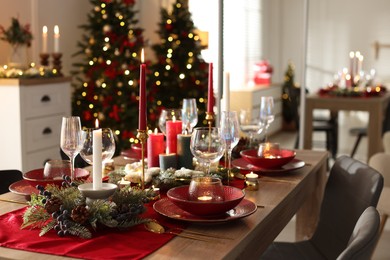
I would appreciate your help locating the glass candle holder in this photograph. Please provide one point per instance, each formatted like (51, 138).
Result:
(269, 150)
(206, 189)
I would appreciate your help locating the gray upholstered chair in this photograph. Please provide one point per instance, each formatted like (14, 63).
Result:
(364, 237)
(7, 177)
(352, 187)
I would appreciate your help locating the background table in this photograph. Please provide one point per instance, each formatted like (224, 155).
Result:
(279, 197)
(375, 106)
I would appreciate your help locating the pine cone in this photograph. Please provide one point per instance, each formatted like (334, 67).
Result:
(80, 214)
(53, 205)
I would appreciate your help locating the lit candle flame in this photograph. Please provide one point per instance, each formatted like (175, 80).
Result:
(96, 123)
(142, 55)
(155, 131)
(44, 29)
(56, 30)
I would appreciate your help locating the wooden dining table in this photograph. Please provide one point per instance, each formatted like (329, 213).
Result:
(375, 106)
(278, 199)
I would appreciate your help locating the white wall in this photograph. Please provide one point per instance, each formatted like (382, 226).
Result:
(337, 27)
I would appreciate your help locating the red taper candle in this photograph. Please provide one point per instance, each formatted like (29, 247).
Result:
(142, 95)
(210, 99)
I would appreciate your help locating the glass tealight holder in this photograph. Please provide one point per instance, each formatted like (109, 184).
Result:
(251, 181)
(269, 150)
(206, 189)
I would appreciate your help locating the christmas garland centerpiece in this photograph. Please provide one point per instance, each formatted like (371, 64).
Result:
(367, 91)
(65, 210)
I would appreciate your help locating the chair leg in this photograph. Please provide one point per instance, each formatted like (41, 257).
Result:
(356, 145)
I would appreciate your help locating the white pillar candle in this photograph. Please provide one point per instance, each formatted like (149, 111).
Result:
(56, 39)
(97, 159)
(44, 39)
(226, 92)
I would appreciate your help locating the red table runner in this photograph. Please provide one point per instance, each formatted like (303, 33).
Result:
(133, 243)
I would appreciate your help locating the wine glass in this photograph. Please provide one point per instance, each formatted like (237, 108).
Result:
(56, 169)
(71, 139)
(207, 145)
(108, 145)
(166, 115)
(267, 115)
(250, 124)
(230, 134)
(189, 114)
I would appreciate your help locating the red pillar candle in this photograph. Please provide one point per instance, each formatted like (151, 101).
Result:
(155, 147)
(210, 98)
(173, 128)
(142, 95)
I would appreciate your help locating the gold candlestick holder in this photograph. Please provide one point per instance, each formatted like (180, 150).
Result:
(210, 118)
(57, 64)
(142, 136)
(44, 59)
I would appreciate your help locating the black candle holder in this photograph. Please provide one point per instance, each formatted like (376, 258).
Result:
(44, 59)
(57, 64)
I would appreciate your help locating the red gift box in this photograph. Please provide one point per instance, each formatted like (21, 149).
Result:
(262, 73)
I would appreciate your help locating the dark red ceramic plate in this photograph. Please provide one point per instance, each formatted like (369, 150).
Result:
(166, 208)
(244, 165)
(23, 188)
(35, 177)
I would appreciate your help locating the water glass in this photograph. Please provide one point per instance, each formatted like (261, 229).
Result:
(206, 189)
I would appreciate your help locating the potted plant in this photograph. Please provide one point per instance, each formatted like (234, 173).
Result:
(19, 37)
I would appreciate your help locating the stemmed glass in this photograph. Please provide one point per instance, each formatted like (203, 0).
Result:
(71, 139)
(250, 124)
(266, 113)
(230, 134)
(207, 145)
(108, 145)
(189, 114)
(166, 115)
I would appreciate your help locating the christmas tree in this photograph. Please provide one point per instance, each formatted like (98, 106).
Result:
(290, 96)
(180, 71)
(107, 79)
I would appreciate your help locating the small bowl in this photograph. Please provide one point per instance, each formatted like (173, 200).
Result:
(180, 197)
(251, 156)
(36, 177)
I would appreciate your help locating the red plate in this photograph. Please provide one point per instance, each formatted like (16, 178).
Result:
(23, 188)
(35, 177)
(166, 208)
(242, 164)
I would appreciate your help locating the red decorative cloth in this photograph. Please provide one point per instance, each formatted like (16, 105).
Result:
(133, 243)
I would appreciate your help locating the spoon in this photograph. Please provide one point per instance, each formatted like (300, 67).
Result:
(155, 227)
(196, 232)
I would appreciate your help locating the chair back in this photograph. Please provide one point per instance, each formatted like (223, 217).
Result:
(7, 177)
(380, 162)
(364, 237)
(386, 142)
(352, 187)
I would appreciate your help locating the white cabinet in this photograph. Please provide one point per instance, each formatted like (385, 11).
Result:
(249, 99)
(31, 111)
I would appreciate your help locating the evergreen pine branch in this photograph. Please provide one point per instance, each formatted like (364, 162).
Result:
(47, 227)
(80, 231)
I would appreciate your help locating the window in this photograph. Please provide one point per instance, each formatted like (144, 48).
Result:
(241, 35)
